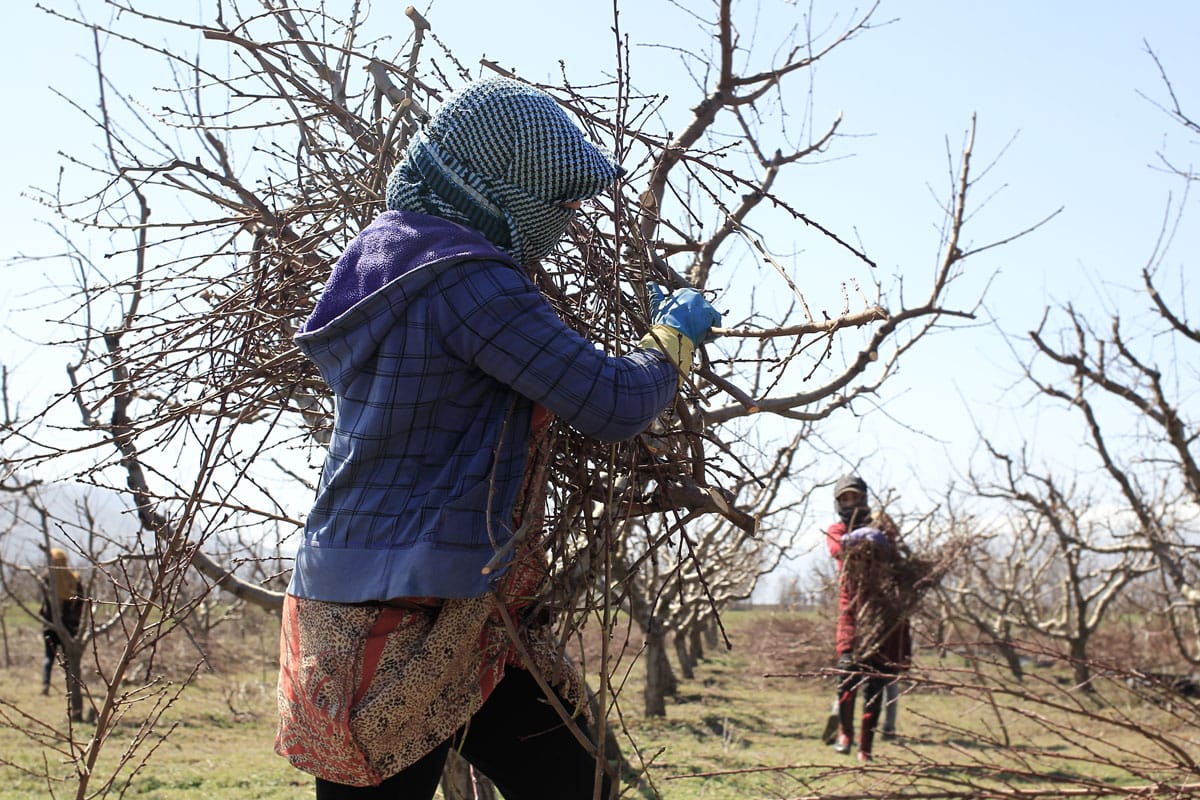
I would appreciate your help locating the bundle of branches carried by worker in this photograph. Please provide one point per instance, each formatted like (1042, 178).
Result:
(887, 581)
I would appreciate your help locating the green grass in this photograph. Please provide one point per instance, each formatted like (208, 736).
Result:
(210, 751)
(730, 733)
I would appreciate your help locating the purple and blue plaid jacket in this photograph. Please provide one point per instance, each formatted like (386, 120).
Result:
(436, 346)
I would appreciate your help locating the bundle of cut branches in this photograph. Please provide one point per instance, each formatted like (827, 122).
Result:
(887, 584)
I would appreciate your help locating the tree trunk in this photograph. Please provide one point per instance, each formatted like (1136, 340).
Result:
(696, 643)
(73, 662)
(711, 637)
(660, 681)
(669, 682)
(4, 636)
(1013, 658)
(686, 663)
(1079, 662)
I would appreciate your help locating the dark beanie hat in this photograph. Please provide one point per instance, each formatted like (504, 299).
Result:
(858, 513)
(848, 483)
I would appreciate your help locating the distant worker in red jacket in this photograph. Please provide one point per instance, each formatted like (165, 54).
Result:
(873, 642)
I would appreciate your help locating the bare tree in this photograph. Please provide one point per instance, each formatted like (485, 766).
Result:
(676, 580)
(1129, 383)
(971, 600)
(221, 205)
(1154, 472)
(1057, 563)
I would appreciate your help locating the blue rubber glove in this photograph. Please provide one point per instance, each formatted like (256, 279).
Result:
(656, 295)
(686, 311)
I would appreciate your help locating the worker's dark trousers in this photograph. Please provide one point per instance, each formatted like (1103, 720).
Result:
(516, 739)
(874, 685)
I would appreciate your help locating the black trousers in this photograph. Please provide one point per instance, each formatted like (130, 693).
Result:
(873, 681)
(516, 739)
(52, 644)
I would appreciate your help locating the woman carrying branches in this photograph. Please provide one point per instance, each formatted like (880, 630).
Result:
(405, 628)
(873, 639)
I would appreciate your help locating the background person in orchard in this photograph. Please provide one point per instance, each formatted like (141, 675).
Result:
(447, 363)
(62, 609)
(873, 639)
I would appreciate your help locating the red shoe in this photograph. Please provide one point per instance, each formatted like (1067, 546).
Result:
(863, 756)
(842, 744)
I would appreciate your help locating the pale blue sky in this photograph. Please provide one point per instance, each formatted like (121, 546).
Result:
(1055, 86)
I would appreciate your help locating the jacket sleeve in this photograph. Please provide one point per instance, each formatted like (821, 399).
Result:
(499, 321)
(833, 538)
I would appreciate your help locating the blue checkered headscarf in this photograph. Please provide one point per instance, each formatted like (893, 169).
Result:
(501, 157)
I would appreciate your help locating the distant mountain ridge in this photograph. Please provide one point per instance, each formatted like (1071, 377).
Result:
(22, 537)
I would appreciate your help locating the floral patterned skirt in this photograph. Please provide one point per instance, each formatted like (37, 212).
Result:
(367, 690)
